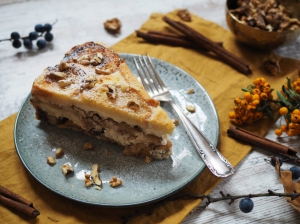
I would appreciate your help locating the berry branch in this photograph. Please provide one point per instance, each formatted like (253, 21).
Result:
(40, 30)
(246, 204)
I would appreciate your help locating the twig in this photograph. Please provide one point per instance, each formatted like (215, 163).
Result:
(209, 200)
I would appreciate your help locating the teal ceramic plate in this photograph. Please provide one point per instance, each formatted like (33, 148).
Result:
(142, 183)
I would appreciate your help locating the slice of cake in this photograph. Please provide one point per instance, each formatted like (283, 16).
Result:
(92, 90)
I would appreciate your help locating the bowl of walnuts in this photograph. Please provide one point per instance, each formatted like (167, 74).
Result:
(264, 24)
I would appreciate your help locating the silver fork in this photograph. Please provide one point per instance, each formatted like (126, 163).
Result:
(213, 159)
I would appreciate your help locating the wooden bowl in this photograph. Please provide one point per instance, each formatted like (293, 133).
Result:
(262, 39)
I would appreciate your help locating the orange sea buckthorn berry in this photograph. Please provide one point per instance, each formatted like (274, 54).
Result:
(283, 127)
(267, 85)
(255, 102)
(256, 81)
(296, 111)
(236, 109)
(247, 96)
(244, 118)
(232, 115)
(258, 115)
(250, 114)
(244, 104)
(290, 132)
(237, 101)
(283, 110)
(238, 121)
(255, 97)
(264, 96)
(278, 132)
(267, 89)
(295, 118)
(256, 91)
(292, 126)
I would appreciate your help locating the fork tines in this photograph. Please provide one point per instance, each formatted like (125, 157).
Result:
(148, 75)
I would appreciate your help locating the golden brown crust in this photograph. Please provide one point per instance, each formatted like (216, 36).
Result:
(94, 78)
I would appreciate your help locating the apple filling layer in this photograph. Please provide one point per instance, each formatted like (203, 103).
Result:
(133, 138)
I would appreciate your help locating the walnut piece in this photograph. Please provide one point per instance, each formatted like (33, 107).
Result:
(115, 182)
(184, 15)
(59, 153)
(113, 25)
(148, 159)
(272, 65)
(266, 15)
(56, 75)
(67, 168)
(51, 160)
(88, 180)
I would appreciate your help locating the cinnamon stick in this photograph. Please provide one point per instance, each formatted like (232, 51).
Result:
(30, 211)
(206, 43)
(262, 142)
(9, 194)
(17, 202)
(169, 39)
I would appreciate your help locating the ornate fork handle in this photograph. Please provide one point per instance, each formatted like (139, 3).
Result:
(213, 159)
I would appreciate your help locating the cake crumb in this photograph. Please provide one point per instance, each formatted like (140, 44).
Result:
(190, 91)
(148, 159)
(88, 146)
(51, 160)
(59, 153)
(190, 108)
(175, 121)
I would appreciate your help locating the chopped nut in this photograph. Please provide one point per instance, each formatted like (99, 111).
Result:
(190, 108)
(51, 161)
(112, 93)
(190, 91)
(148, 159)
(96, 60)
(59, 153)
(64, 83)
(56, 75)
(133, 105)
(114, 182)
(272, 65)
(185, 15)
(113, 25)
(87, 180)
(88, 146)
(67, 168)
(95, 175)
(175, 121)
(63, 66)
(103, 71)
(84, 60)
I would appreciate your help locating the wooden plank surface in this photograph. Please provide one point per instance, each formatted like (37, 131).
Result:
(18, 70)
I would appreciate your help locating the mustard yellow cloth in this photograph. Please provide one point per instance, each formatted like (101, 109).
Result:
(222, 82)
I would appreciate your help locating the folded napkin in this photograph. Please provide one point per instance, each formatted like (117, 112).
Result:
(223, 84)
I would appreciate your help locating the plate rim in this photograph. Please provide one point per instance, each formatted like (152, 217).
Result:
(152, 200)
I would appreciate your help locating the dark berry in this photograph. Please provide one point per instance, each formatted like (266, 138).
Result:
(17, 43)
(47, 27)
(273, 161)
(33, 35)
(48, 36)
(246, 205)
(295, 172)
(41, 44)
(39, 28)
(14, 35)
(27, 43)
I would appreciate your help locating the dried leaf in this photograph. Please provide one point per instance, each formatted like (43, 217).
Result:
(285, 177)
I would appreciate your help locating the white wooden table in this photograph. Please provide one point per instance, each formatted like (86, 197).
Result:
(18, 70)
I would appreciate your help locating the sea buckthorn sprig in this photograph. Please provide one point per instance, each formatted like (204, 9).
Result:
(289, 100)
(256, 104)
(39, 31)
